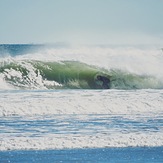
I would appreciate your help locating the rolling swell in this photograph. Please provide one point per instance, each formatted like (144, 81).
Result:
(30, 74)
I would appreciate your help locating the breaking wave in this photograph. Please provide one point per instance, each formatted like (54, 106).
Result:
(80, 68)
(30, 74)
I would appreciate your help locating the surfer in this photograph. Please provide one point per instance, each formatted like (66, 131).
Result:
(105, 81)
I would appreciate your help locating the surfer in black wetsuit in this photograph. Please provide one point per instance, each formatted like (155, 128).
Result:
(105, 80)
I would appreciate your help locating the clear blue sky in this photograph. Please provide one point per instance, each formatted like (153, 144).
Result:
(81, 21)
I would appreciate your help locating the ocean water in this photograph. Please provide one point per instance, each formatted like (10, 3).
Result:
(81, 104)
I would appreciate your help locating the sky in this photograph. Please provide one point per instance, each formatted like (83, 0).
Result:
(81, 21)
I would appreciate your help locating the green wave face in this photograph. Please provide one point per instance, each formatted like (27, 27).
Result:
(68, 74)
(71, 75)
(125, 80)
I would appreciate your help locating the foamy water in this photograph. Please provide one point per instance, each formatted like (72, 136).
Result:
(80, 102)
(80, 119)
(34, 116)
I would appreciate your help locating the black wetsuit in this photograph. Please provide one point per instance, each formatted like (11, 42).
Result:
(105, 80)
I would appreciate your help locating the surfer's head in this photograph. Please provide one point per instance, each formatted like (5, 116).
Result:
(99, 77)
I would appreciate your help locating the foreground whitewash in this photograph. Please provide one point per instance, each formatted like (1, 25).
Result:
(80, 102)
(89, 119)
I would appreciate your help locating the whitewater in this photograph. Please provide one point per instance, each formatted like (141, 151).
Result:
(51, 97)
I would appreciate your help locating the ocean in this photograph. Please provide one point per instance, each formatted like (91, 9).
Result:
(98, 103)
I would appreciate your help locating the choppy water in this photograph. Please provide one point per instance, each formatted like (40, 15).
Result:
(58, 119)
(50, 98)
